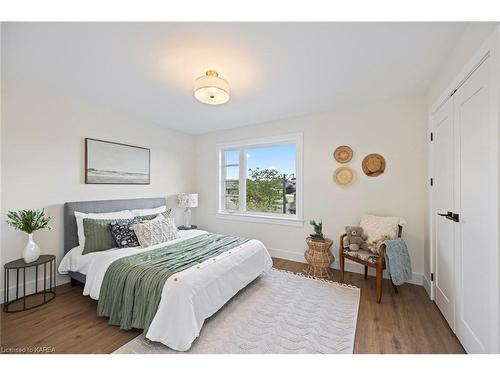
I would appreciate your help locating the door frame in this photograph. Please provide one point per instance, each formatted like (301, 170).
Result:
(432, 216)
(449, 315)
(490, 49)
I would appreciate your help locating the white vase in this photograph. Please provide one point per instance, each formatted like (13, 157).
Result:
(31, 251)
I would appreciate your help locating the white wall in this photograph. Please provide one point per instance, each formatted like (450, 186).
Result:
(42, 165)
(395, 128)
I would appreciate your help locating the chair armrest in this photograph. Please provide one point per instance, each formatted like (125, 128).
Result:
(341, 242)
(381, 251)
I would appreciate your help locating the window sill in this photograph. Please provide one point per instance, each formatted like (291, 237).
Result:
(265, 219)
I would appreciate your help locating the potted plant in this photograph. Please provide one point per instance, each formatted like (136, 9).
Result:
(318, 230)
(29, 221)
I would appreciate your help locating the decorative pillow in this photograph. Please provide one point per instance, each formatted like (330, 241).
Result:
(97, 235)
(379, 228)
(166, 214)
(156, 231)
(125, 214)
(149, 211)
(123, 233)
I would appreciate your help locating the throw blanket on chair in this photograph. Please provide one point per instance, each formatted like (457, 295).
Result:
(397, 261)
(132, 286)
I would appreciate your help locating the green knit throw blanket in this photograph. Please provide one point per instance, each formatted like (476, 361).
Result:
(132, 286)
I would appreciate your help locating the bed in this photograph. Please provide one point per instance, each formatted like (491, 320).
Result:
(189, 296)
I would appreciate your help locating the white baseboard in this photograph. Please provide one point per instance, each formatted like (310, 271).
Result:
(427, 285)
(30, 286)
(417, 278)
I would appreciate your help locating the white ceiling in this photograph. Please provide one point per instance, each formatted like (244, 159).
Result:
(275, 70)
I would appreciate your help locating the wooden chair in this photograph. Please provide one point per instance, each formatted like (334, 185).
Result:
(368, 260)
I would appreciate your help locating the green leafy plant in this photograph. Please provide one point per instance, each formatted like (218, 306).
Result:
(28, 221)
(264, 190)
(318, 227)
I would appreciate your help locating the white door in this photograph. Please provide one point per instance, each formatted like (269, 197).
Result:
(476, 201)
(442, 202)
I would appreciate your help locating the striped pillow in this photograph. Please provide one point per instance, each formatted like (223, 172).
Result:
(166, 214)
(97, 235)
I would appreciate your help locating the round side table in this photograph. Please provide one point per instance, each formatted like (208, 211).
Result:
(49, 282)
(319, 257)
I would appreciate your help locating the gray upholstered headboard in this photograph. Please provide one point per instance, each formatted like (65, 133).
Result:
(70, 231)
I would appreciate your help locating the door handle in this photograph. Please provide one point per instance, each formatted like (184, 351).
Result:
(448, 215)
(451, 216)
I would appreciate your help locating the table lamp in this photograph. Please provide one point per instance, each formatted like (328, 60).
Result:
(187, 201)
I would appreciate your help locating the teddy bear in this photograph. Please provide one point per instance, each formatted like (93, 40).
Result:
(356, 239)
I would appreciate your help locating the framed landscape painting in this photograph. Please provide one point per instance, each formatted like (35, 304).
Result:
(115, 163)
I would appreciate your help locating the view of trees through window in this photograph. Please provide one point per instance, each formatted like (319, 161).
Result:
(269, 178)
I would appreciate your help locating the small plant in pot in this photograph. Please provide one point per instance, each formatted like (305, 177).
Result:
(318, 230)
(29, 221)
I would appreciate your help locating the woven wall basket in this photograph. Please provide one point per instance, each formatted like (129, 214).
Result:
(343, 176)
(343, 154)
(373, 165)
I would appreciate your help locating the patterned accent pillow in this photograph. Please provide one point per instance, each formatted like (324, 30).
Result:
(158, 230)
(123, 232)
(166, 214)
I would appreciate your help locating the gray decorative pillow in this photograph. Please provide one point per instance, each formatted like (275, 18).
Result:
(123, 232)
(166, 214)
(158, 230)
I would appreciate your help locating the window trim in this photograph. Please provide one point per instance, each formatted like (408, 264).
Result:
(261, 217)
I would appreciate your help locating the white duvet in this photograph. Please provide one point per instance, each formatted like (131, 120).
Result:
(189, 296)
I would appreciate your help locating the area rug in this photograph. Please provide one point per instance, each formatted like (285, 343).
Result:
(279, 312)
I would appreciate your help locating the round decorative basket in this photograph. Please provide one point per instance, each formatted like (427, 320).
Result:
(343, 176)
(373, 165)
(343, 154)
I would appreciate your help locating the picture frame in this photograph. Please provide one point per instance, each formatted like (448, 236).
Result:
(114, 163)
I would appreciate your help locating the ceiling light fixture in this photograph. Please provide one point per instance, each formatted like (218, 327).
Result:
(211, 89)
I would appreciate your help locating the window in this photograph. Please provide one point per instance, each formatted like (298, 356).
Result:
(260, 180)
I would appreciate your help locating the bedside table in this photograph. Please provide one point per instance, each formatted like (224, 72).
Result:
(319, 257)
(182, 227)
(49, 282)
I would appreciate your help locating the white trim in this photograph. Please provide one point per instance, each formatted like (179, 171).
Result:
(268, 218)
(242, 204)
(489, 49)
(261, 218)
(483, 52)
(262, 141)
(427, 285)
(417, 278)
(445, 97)
(486, 49)
(477, 59)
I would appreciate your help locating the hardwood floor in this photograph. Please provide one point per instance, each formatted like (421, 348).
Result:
(407, 322)
(68, 324)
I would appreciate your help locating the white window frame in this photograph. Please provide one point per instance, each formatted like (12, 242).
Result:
(260, 217)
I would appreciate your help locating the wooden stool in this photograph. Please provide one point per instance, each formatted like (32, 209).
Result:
(319, 257)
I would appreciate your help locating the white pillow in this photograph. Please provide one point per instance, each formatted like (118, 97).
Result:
(376, 227)
(148, 211)
(125, 214)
